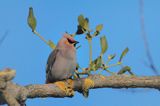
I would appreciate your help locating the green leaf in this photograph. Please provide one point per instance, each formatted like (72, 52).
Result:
(125, 51)
(83, 24)
(99, 27)
(92, 67)
(80, 29)
(98, 62)
(95, 64)
(51, 44)
(31, 20)
(81, 20)
(86, 25)
(125, 69)
(112, 56)
(104, 44)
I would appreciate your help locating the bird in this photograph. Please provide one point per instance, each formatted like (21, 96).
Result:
(61, 62)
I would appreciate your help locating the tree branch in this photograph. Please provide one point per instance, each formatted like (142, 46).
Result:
(66, 88)
(9, 99)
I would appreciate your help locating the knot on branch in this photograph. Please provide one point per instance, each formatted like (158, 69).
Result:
(7, 74)
(6, 94)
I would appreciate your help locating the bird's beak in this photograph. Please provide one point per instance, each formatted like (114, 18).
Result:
(75, 42)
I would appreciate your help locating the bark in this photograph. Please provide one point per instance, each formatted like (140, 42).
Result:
(15, 95)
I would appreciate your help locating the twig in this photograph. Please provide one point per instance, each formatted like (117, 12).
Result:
(144, 36)
(40, 37)
(3, 37)
(90, 50)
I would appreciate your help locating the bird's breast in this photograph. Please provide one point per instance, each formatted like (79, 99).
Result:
(64, 66)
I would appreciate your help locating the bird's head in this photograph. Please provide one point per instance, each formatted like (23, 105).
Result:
(68, 42)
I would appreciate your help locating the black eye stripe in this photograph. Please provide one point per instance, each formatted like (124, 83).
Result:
(70, 41)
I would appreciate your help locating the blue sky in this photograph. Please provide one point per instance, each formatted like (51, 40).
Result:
(27, 54)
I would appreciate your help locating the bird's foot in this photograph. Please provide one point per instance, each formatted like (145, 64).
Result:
(69, 85)
(66, 87)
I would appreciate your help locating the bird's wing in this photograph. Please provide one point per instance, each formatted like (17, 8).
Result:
(50, 62)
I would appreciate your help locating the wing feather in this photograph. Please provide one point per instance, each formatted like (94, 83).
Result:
(50, 62)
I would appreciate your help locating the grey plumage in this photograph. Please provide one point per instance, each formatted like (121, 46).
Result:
(61, 63)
